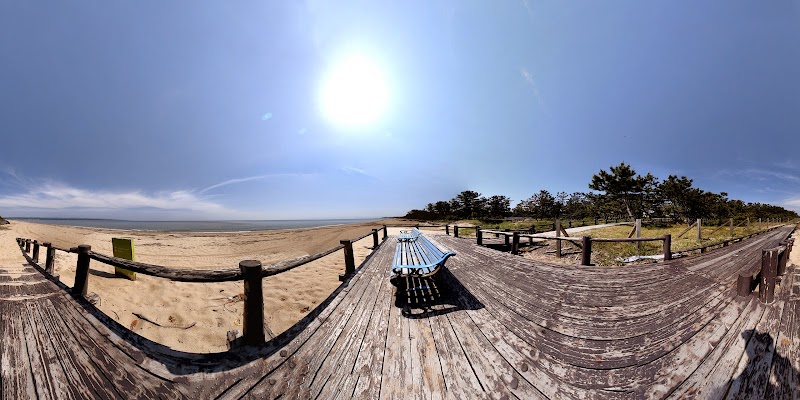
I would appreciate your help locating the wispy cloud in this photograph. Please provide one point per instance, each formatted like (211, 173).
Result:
(50, 195)
(792, 203)
(251, 178)
(763, 174)
(528, 7)
(528, 77)
(266, 116)
(357, 171)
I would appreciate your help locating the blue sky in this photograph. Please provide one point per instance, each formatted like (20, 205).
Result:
(213, 110)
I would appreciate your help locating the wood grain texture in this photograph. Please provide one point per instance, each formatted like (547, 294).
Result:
(491, 325)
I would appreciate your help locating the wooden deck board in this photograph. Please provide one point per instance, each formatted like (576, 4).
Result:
(494, 326)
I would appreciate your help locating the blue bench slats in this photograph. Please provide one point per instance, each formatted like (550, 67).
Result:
(418, 257)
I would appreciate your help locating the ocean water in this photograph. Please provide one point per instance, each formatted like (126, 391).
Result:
(194, 226)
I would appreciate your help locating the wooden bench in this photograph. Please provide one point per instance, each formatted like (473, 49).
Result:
(417, 258)
(409, 236)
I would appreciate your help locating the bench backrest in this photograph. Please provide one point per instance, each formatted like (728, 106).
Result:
(419, 252)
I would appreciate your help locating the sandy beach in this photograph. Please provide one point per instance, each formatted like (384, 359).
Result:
(212, 309)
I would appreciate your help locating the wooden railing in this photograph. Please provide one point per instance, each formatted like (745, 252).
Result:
(512, 239)
(251, 272)
(767, 273)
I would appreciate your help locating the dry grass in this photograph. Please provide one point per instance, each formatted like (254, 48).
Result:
(611, 253)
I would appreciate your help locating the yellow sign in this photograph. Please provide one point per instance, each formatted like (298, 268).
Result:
(123, 248)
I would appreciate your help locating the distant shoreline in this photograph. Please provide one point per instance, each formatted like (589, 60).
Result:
(231, 226)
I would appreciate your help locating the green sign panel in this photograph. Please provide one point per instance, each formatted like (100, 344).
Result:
(123, 248)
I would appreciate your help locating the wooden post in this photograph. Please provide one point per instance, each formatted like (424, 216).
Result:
(479, 236)
(27, 245)
(667, 247)
(349, 261)
(455, 230)
(253, 320)
(506, 237)
(447, 230)
(570, 223)
(766, 287)
(743, 284)
(49, 258)
(781, 267)
(385, 233)
(374, 239)
(35, 255)
(558, 241)
(515, 243)
(595, 220)
(748, 222)
(699, 229)
(638, 235)
(586, 251)
(81, 286)
(731, 227)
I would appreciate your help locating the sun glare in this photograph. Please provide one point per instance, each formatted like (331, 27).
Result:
(355, 93)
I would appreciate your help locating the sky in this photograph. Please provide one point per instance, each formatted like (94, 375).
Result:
(313, 109)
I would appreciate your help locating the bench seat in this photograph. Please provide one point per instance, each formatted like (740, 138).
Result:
(418, 258)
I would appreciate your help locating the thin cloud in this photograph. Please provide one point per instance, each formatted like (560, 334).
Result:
(792, 203)
(248, 179)
(357, 171)
(762, 174)
(266, 116)
(528, 77)
(528, 7)
(51, 195)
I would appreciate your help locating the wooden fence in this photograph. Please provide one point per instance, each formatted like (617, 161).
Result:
(251, 272)
(767, 274)
(512, 239)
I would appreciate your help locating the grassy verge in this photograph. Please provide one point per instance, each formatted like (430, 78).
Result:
(610, 253)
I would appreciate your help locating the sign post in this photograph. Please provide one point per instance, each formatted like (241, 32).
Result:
(123, 248)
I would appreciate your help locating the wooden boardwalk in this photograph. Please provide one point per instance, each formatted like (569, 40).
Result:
(495, 326)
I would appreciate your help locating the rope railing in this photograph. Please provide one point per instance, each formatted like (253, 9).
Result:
(250, 271)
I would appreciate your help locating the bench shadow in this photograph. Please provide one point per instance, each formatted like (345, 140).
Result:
(432, 296)
(767, 375)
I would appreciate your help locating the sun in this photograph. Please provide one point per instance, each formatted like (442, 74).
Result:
(355, 92)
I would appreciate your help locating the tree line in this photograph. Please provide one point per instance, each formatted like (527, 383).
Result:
(620, 191)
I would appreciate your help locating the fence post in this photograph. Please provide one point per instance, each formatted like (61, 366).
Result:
(731, 227)
(638, 234)
(515, 243)
(374, 239)
(743, 284)
(35, 255)
(667, 247)
(766, 287)
(455, 230)
(479, 235)
(447, 230)
(253, 320)
(782, 257)
(699, 229)
(505, 236)
(586, 251)
(49, 258)
(385, 234)
(349, 261)
(558, 241)
(27, 245)
(81, 286)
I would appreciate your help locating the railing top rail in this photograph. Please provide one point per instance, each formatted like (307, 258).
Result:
(206, 275)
